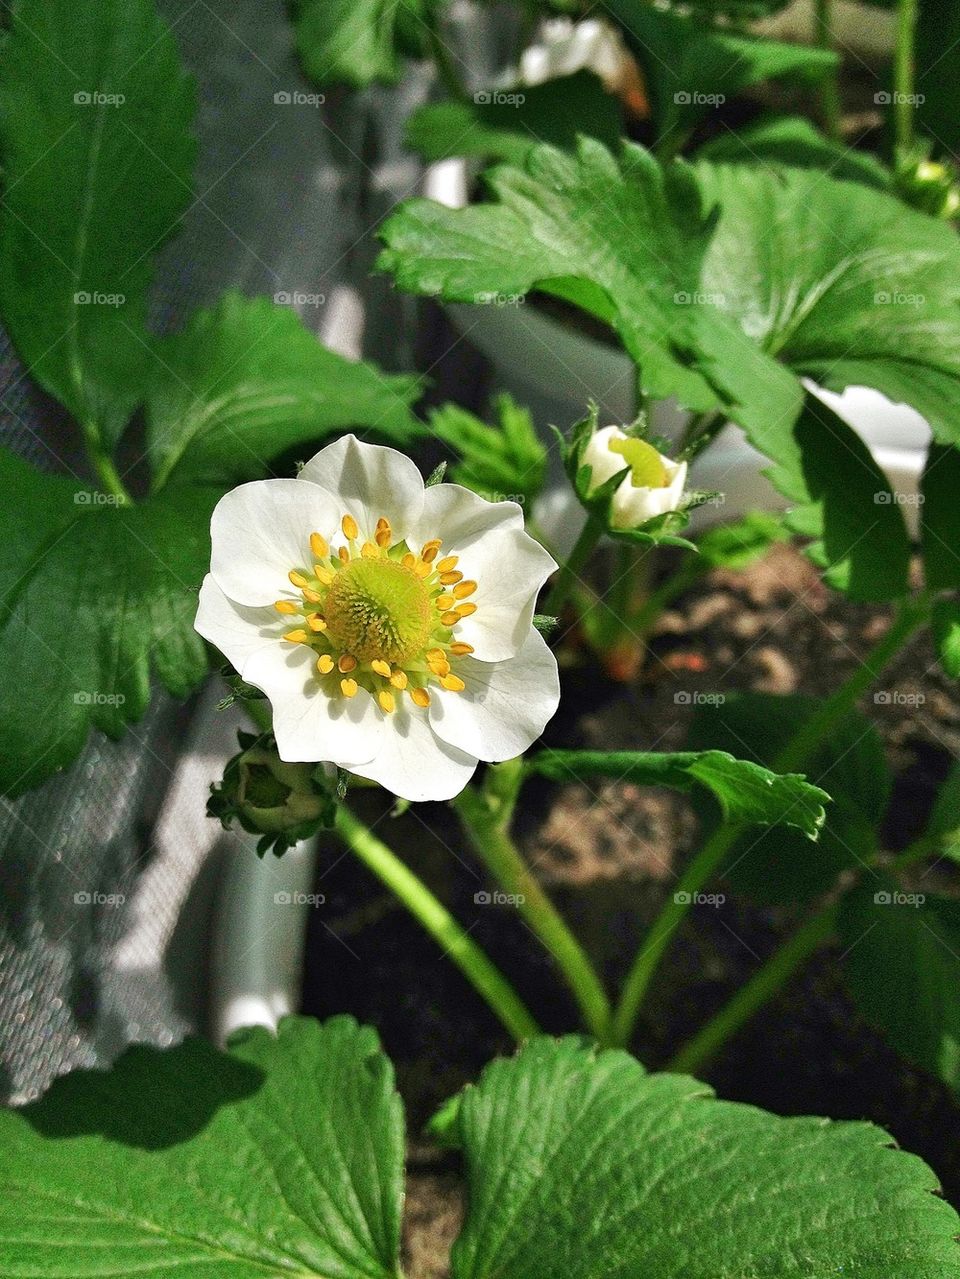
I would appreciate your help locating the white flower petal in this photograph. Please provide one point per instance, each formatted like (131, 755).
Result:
(307, 723)
(260, 531)
(633, 505)
(236, 630)
(369, 481)
(602, 462)
(413, 762)
(508, 566)
(505, 705)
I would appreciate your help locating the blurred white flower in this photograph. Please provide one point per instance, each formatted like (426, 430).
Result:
(390, 625)
(566, 47)
(652, 484)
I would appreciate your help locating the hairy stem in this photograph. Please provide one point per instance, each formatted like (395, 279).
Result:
(904, 75)
(570, 571)
(104, 465)
(830, 84)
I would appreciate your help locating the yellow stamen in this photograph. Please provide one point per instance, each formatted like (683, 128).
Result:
(399, 679)
(447, 564)
(349, 526)
(423, 569)
(461, 649)
(445, 602)
(285, 606)
(296, 637)
(429, 554)
(319, 546)
(297, 578)
(312, 597)
(324, 575)
(344, 555)
(381, 667)
(466, 610)
(440, 668)
(316, 622)
(464, 589)
(435, 655)
(409, 560)
(450, 579)
(450, 619)
(420, 696)
(348, 687)
(453, 683)
(370, 550)
(387, 701)
(384, 535)
(324, 663)
(347, 663)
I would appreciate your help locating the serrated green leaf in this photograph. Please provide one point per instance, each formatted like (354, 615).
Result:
(506, 125)
(92, 598)
(692, 67)
(507, 461)
(940, 518)
(902, 962)
(358, 42)
(246, 380)
(945, 625)
(793, 142)
(741, 542)
(780, 866)
(283, 1157)
(96, 111)
(580, 1161)
(745, 791)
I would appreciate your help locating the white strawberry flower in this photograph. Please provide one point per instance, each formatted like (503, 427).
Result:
(389, 624)
(652, 484)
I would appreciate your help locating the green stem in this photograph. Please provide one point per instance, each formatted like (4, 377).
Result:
(491, 839)
(830, 85)
(904, 75)
(711, 856)
(482, 974)
(570, 571)
(104, 465)
(761, 987)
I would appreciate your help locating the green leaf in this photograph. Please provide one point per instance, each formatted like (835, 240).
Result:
(92, 597)
(501, 462)
(793, 142)
(745, 791)
(98, 156)
(284, 1156)
(741, 542)
(945, 624)
(780, 866)
(246, 380)
(359, 42)
(940, 518)
(943, 829)
(507, 124)
(692, 67)
(578, 1160)
(847, 507)
(902, 961)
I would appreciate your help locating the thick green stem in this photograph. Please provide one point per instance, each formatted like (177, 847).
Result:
(761, 987)
(438, 922)
(570, 571)
(795, 754)
(493, 843)
(104, 465)
(904, 75)
(830, 84)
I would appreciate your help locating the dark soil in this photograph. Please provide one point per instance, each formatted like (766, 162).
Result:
(608, 854)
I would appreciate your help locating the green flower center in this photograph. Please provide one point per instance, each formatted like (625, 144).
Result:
(378, 608)
(646, 466)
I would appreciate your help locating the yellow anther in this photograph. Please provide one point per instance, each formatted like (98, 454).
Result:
(324, 663)
(399, 679)
(461, 649)
(447, 564)
(381, 667)
(348, 687)
(344, 555)
(319, 546)
(387, 701)
(297, 578)
(452, 683)
(316, 622)
(285, 606)
(296, 637)
(450, 619)
(429, 553)
(349, 526)
(384, 534)
(369, 550)
(450, 579)
(409, 560)
(445, 602)
(312, 597)
(464, 589)
(440, 668)
(466, 610)
(347, 663)
(435, 655)
(322, 574)
(420, 696)
(423, 569)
